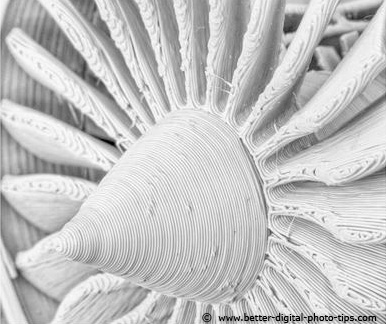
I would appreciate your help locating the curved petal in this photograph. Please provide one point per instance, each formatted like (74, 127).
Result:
(48, 201)
(356, 273)
(103, 59)
(311, 283)
(355, 72)
(130, 36)
(278, 93)
(155, 308)
(257, 61)
(55, 141)
(359, 149)
(261, 301)
(161, 24)
(224, 48)
(287, 297)
(100, 299)
(193, 22)
(50, 272)
(56, 76)
(353, 213)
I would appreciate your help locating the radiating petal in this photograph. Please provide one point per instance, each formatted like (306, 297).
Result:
(354, 73)
(184, 311)
(161, 24)
(52, 140)
(103, 59)
(314, 80)
(50, 272)
(155, 308)
(353, 213)
(53, 74)
(358, 150)
(371, 96)
(228, 22)
(373, 92)
(261, 301)
(192, 172)
(311, 283)
(356, 273)
(193, 25)
(277, 95)
(351, 8)
(288, 299)
(258, 59)
(48, 201)
(100, 299)
(350, 15)
(130, 36)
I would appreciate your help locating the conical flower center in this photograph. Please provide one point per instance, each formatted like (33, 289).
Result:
(181, 213)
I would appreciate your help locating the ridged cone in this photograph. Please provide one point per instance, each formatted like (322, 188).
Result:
(181, 213)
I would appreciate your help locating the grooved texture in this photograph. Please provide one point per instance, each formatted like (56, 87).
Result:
(17, 233)
(103, 59)
(42, 267)
(55, 75)
(181, 213)
(56, 141)
(46, 200)
(101, 298)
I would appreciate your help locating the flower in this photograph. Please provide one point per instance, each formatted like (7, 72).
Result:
(234, 181)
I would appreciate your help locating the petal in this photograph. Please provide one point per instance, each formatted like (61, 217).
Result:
(311, 283)
(100, 299)
(359, 150)
(48, 201)
(102, 58)
(155, 308)
(53, 74)
(356, 273)
(369, 97)
(161, 25)
(258, 59)
(353, 213)
(261, 302)
(193, 25)
(224, 48)
(288, 299)
(354, 73)
(278, 93)
(130, 36)
(55, 141)
(50, 272)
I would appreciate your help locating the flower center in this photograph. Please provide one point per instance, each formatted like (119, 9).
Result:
(181, 213)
